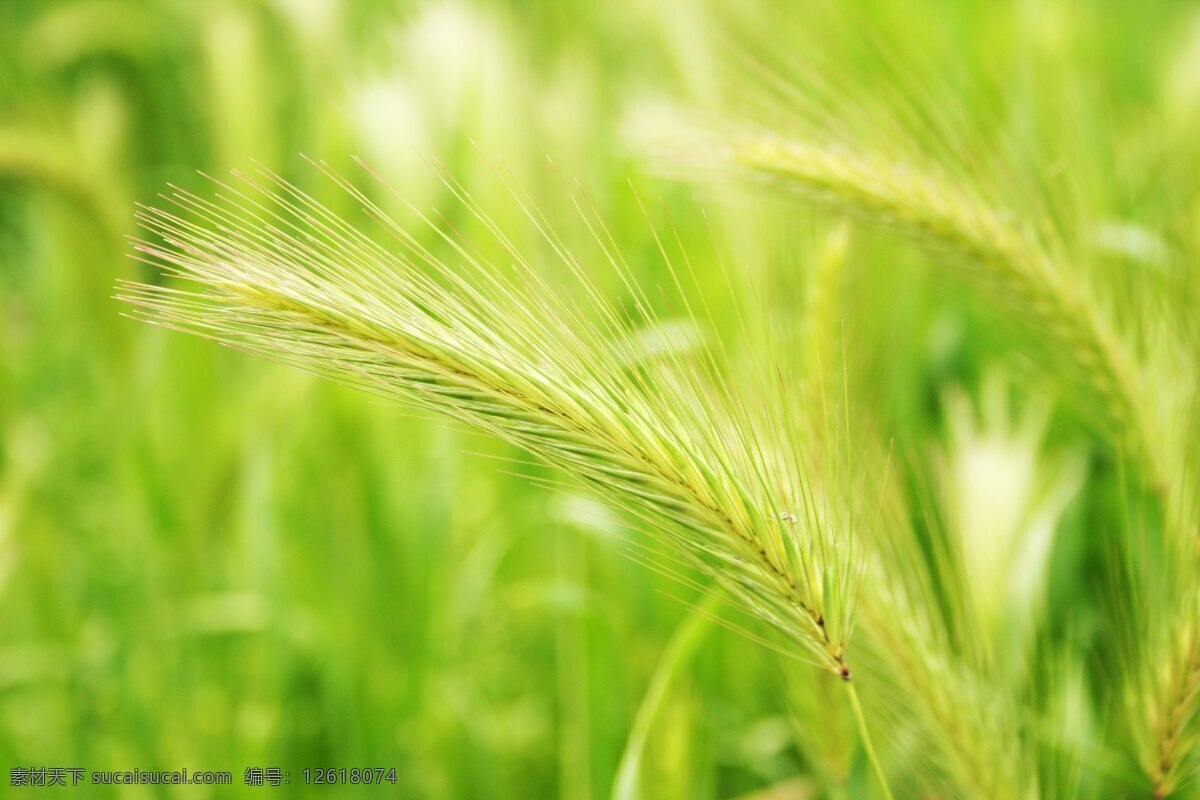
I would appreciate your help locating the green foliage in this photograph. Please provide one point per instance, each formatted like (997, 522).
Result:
(895, 375)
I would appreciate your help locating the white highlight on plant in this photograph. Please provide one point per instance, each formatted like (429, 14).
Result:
(1005, 495)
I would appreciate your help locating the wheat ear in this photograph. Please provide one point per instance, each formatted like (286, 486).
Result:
(1164, 691)
(1174, 734)
(907, 652)
(993, 252)
(685, 453)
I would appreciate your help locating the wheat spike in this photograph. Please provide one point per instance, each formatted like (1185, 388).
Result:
(671, 442)
(994, 252)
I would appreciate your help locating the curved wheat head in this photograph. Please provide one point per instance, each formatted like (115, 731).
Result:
(719, 471)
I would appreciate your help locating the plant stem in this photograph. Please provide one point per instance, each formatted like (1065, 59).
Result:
(679, 651)
(866, 741)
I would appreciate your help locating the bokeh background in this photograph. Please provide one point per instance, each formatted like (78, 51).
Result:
(211, 562)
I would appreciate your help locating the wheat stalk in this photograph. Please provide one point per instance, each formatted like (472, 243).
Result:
(675, 445)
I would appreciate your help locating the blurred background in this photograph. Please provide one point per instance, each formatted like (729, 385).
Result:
(211, 562)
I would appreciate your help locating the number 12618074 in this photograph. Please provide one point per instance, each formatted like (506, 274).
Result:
(355, 776)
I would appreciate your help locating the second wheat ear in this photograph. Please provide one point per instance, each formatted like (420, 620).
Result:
(992, 252)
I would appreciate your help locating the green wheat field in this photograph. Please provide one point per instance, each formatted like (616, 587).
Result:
(632, 400)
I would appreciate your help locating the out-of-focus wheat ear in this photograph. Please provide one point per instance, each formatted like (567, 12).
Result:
(924, 690)
(1177, 737)
(1165, 703)
(1156, 609)
(934, 693)
(39, 158)
(823, 334)
(1164, 698)
(990, 249)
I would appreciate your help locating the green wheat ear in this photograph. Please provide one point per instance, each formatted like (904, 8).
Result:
(989, 249)
(719, 470)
